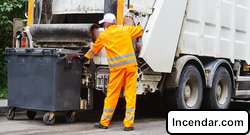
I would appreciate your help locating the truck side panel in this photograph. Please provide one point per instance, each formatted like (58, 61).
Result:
(216, 28)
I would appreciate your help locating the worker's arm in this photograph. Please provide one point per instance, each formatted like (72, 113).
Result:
(136, 31)
(95, 48)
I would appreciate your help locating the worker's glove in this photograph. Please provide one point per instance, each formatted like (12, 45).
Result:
(83, 58)
(71, 56)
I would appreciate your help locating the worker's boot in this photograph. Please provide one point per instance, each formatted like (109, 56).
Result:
(100, 126)
(128, 128)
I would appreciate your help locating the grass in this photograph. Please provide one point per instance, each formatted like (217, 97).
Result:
(3, 93)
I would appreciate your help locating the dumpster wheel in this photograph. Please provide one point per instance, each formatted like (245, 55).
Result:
(11, 113)
(49, 118)
(31, 114)
(70, 116)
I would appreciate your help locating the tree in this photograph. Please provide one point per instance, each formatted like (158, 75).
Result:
(9, 9)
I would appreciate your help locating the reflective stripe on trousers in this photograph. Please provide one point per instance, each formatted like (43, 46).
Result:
(128, 77)
(129, 117)
(107, 114)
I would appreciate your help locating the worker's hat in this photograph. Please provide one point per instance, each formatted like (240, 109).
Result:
(109, 18)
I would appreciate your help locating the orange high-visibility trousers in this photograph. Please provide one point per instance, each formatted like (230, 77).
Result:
(128, 77)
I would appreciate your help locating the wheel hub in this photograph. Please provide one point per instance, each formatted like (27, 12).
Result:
(187, 93)
(222, 91)
(218, 91)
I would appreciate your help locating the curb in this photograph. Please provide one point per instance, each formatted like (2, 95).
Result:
(3, 106)
(4, 109)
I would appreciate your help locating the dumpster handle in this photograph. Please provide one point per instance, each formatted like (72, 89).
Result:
(64, 57)
(48, 51)
(29, 50)
(76, 56)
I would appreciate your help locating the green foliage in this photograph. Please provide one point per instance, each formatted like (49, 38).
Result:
(3, 93)
(9, 9)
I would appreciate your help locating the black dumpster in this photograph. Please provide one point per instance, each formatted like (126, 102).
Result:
(42, 79)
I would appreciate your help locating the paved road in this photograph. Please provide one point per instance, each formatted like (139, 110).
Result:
(146, 124)
(83, 125)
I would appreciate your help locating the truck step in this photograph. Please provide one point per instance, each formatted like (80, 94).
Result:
(240, 93)
(241, 98)
(243, 79)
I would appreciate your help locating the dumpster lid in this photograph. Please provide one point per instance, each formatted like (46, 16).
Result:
(39, 51)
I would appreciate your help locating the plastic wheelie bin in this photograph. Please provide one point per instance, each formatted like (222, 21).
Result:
(42, 79)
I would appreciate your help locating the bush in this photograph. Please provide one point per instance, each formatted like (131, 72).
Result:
(9, 9)
(3, 93)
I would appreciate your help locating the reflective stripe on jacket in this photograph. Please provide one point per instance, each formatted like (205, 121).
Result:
(117, 41)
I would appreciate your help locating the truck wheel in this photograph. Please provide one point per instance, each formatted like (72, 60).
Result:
(31, 114)
(190, 90)
(11, 114)
(49, 118)
(219, 96)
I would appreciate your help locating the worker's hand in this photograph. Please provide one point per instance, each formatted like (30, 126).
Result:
(128, 21)
(71, 56)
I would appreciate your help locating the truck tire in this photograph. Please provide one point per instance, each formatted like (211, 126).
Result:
(190, 90)
(219, 96)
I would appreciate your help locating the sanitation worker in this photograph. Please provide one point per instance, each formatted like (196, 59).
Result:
(117, 40)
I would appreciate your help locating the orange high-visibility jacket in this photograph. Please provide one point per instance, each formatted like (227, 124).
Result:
(117, 41)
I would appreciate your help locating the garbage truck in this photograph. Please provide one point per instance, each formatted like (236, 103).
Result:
(194, 52)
